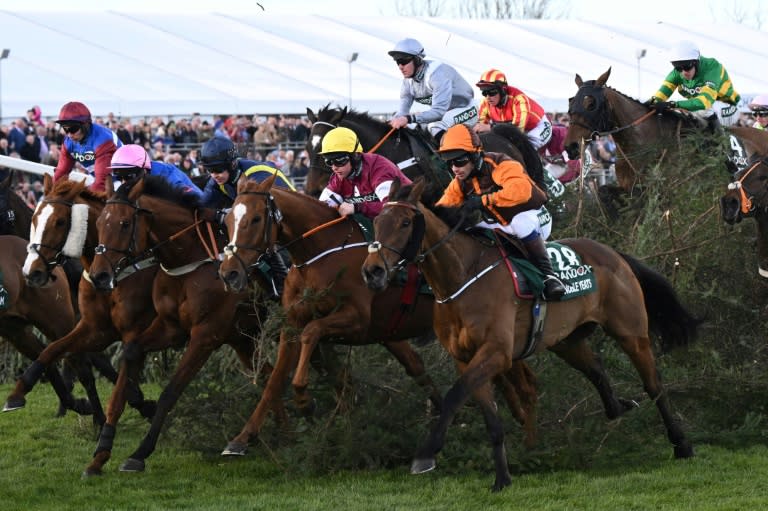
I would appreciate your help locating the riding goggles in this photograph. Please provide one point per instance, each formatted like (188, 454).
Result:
(684, 66)
(404, 61)
(459, 162)
(339, 161)
(760, 113)
(490, 92)
(71, 128)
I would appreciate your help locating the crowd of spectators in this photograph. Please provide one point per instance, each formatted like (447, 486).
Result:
(276, 138)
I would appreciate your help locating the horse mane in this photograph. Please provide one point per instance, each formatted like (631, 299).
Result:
(686, 116)
(520, 140)
(68, 189)
(160, 188)
(362, 117)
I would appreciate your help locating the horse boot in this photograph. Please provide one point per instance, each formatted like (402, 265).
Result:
(537, 254)
(279, 272)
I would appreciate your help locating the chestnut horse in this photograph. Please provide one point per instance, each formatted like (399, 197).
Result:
(193, 308)
(484, 325)
(747, 195)
(22, 307)
(64, 226)
(326, 301)
(642, 137)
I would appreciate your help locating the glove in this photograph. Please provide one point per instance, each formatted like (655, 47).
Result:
(650, 102)
(472, 204)
(663, 105)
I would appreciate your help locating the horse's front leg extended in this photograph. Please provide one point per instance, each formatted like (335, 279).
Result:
(345, 323)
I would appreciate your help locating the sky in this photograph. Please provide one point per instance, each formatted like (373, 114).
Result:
(680, 11)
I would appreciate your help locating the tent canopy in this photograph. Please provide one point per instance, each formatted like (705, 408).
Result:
(176, 64)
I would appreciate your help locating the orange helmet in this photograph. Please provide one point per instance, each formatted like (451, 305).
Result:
(492, 78)
(459, 139)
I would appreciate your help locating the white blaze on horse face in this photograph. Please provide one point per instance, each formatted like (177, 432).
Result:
(239, 212)
(43, 213)
(316, 142)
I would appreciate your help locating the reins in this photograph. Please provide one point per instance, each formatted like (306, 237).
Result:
(746, 202)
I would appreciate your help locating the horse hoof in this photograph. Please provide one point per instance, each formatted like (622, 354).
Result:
(419, 466)
(91, 472)
(132, 465)
(234, 449)
(684, 451)
(500, 485)
(82, 406)
(14, 404)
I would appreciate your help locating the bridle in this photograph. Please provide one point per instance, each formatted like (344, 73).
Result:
(746, 201)
(129, 256)
(59, 258)
(599, 122)
(273, 217)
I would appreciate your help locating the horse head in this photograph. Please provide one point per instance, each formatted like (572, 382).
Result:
(747, 193)
(253, 225)
(589, 113)
(60, 228)
(324, 121)
(399, 232)
(123, 228)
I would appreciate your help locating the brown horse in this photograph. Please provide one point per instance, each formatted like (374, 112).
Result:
(64, 226)
(193, 308)
(747, 195)
(15, 215)
(642, 137)
(485, 326)
(48, 309)
(326, 300)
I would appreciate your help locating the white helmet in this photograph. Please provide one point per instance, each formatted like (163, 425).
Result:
(407, 46)
(759, 104)
(684, 50)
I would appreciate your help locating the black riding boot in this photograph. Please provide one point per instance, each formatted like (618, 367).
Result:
(713, 124)
(279, 272)
(537, 254)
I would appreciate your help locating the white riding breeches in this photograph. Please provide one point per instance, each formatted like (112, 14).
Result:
(525, 223)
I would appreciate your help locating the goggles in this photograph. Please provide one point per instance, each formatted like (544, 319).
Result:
(459, 162)
(404, 61)
(71, 129)
(760, 113)
(339, 161)
(684, 66)
(490, 92)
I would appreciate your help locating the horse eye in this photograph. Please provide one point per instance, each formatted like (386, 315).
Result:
(60, 222)
(406, 222)
(124, 224)
(255, 220)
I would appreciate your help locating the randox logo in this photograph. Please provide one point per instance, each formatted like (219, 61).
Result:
(465, 115)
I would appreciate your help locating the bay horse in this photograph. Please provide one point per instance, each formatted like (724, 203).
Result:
(485, 327)
(49, 309)
(643, 137)
(747, 195)
(15, 214)
(193, 308)
(326, 301)
(64, 227)
(413, 150)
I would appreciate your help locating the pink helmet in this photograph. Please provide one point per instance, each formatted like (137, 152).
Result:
(131, 156)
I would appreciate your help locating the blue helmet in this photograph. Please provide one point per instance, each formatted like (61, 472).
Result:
(218, 153)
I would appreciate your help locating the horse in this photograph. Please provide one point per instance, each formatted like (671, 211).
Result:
(413, 150)
(49, 309)
(63, 228)
(326, 301)
(485, 327)
(642, 136)
(746, 195)
(192, 307)
(15, 214)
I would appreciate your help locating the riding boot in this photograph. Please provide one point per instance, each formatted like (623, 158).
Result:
(537, 254)
(279, 272)
(713, 124)
(438, 137)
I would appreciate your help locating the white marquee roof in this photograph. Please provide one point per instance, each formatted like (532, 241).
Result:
(175, 64)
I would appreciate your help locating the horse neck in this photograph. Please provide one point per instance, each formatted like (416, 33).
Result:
(23, 220)
(92, 233)
(301, 214)
(164, 231)
(447, 267)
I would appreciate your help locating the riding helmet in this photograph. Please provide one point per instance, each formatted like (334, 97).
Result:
(218, 153)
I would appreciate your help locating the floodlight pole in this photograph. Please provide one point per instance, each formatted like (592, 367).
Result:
(350, 59)
(639, 54)
(3, 56)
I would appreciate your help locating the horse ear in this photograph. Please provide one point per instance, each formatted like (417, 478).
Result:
(579, 81)
(311, 116)
(242, 182)
(270, 181)
(603, 78)
(136, 189)
(47, 184)
(395, 188)
(109, 185)
(417, 190)
(7, 181)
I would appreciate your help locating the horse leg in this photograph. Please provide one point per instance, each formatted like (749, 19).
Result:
(487, 362)
(84, 337)
(249, 355)
(484, 397)
(638, 349)
(80, 363)
(579, 355)
(518, 386)
(201, 345)
(414, 367)
(287, 356)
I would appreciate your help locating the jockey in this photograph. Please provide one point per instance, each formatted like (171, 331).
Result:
(219, 157)
(431, 83)
(131, 161)
(702, 81)
(509, 200)
(87, 145)
(360, 181)
(759, 107)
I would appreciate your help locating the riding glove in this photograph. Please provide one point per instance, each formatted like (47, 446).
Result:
(472, 203)
(663, 105)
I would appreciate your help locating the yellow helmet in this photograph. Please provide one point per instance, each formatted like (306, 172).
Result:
(341, 140)
(457, 140)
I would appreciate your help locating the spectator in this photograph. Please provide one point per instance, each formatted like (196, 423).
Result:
(52, 158)
(31, 149)
(17, 135)
(35, 117)
(5, 150)
(42, 137)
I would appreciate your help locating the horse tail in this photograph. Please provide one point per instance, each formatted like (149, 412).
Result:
(531, 158)
(667, 317)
